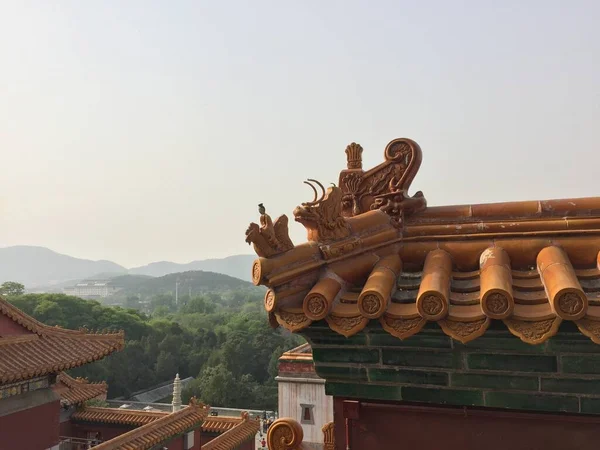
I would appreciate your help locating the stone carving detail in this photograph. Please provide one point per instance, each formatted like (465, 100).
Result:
(464, 331)
(371, 303)
(591, 328)
(293, 321)
(270, 300)
(316, 304)
(402, 328)
(340, 248)
(328, 436)
(322, 217)
(346, 323)
(432, 305)
(270, 238)
(354, 156)
(533, 332)
(346, 326)
(386, 186)
(285, 434)
(570, 303)
(497, 303)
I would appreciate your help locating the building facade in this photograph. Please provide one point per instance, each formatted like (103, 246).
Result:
(302, 393)
(464, 326)
(92, 289)
(43, 408)
(32, 358)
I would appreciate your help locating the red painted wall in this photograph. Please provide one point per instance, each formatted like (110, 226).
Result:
(106, 431)
(295, 367)
(10, 328)
(31, 429)
(393, 425)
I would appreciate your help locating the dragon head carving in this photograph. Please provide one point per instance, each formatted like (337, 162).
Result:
(322, 217)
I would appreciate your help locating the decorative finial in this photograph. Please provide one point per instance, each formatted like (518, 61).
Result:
(261, 209)
(176, 404)
(354, 156)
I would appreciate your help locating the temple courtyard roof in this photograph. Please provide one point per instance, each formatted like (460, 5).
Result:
(29, 348)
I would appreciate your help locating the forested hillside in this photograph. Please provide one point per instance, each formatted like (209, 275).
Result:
(222, 339)
(194, 282)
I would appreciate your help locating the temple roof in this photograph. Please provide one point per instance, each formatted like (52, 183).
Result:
(73, 391)
(302, 353)
(137, 418)
(158, 430)
(29, 348)
(242, 432)
(374, 253)
(132, 417)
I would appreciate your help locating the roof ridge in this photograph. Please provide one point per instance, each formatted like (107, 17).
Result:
(67, 379)
(235, 436)
(193, 409)
(124, 412)
(35, 326)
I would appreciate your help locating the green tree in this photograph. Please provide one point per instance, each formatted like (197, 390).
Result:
(166, 366)
(132, 302)
(12, 288)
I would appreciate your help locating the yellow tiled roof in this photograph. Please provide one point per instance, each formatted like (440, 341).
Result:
(41, 349)
(77, 390)
(245, 430)
(159, 430)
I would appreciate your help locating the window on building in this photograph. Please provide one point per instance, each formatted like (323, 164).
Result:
(307, 415)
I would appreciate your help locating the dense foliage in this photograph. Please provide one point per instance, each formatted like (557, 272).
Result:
(10, 288)
(222, 338)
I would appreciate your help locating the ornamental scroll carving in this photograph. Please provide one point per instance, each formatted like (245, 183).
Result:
(590, 328)
(328, 436)
(464, 331)
(346, 326)
(384, 187)
(292, 321)
(533, 332)
(285, 434)
(402, 328)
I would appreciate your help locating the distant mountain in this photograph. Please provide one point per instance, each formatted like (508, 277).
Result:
(194, 282)
(39, 266)
(237, 266)
(41, 269)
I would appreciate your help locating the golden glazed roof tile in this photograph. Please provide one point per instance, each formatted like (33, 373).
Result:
(132, 417)
(243, 431)
(73, 391)
(376, 253)
(159, 430)
(136, 418)
(302, 353)
(29, 348)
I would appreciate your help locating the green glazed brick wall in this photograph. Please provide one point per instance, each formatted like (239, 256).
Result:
(496, 370)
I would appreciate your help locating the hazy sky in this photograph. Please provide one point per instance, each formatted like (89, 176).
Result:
(139, 131)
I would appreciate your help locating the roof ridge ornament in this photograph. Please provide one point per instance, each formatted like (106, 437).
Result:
(385, 186)
(354, 156)
(270, 238)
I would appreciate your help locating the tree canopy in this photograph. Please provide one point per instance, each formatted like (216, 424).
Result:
(223, 339)
(11, 288)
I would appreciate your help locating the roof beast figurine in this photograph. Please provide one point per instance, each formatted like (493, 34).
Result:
(376, 253)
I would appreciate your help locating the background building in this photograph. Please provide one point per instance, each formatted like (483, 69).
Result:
(302, 393)
(92, 289)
